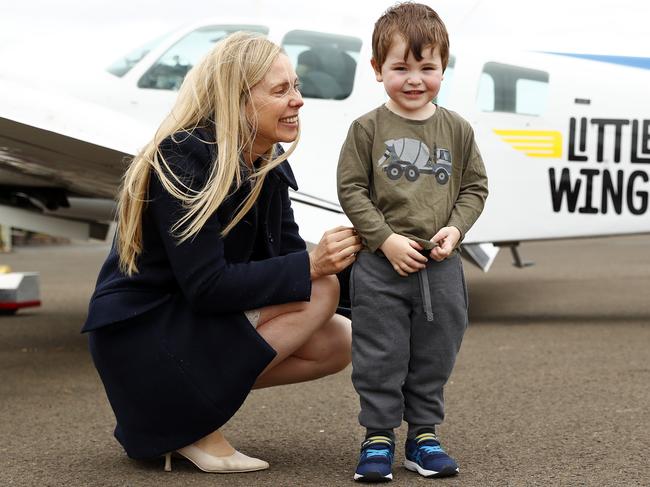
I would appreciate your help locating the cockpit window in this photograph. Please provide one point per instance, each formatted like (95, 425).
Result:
(168, 72)
(123, 65)
(325, 63)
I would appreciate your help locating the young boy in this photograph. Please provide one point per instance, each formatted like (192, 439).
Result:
(411, 180)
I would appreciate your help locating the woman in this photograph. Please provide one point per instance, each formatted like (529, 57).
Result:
(208, 291)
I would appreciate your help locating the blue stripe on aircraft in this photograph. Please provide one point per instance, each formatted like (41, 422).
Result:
(634, 62)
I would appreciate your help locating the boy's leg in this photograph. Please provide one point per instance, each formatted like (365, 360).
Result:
(434, 346)
(380, 348)
(380, 340)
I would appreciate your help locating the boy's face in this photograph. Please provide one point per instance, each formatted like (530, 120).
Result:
(410, 84)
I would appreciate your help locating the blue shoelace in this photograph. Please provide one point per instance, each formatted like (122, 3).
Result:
(371, 452)
(431, 449)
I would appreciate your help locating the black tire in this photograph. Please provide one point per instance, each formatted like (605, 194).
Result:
(394, 171)
(442, 176)
(412, 173)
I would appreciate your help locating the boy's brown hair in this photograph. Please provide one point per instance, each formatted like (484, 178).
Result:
(418, 24)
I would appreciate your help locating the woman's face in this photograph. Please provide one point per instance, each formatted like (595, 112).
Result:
(275, 102)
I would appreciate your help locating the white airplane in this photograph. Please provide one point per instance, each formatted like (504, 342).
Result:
(567, 156)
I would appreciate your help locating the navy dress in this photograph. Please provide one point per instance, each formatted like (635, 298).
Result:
(172, 345)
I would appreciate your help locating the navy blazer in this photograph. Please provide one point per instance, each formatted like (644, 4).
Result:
(262, 261)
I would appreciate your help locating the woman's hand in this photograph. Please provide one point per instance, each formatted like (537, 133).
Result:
(336, 250)
(403, 253)
(447, 239)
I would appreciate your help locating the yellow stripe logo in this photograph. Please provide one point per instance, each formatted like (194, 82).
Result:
(533, 143)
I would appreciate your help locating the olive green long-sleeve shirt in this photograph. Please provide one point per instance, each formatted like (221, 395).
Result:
(410, 177)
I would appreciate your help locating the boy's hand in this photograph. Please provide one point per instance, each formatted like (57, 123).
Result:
(446, 238)
(403, 253)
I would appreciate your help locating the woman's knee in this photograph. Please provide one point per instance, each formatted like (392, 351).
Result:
(336, 338)
(325, 294)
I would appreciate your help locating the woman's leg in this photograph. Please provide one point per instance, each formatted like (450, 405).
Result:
(310, 340)
(326, 352)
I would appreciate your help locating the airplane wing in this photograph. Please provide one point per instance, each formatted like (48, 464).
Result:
(35, 157)
(65, 147)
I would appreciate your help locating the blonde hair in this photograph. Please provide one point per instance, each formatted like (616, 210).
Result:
(215, 95)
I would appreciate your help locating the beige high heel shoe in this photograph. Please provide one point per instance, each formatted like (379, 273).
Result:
(237, 462)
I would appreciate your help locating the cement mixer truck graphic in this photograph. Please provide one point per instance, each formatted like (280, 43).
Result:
(410, 158)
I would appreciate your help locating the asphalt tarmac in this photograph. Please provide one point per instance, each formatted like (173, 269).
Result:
(551, 387)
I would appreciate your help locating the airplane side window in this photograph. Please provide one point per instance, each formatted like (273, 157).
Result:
(325, 63)
(169, 71)
(512, 89)
(443, 95)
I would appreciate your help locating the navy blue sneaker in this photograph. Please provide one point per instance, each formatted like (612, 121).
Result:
(376, 460)
(425, 456)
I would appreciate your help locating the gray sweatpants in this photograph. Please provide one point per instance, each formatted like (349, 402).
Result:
(402, 356)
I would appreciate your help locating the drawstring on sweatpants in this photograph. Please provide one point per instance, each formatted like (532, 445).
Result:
(425, 292)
